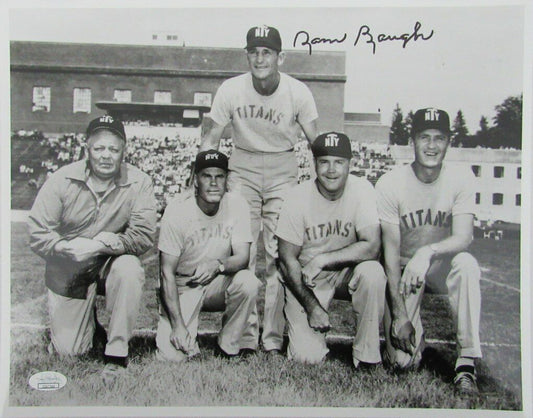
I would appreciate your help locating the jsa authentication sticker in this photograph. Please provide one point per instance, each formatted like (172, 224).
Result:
(47, 381)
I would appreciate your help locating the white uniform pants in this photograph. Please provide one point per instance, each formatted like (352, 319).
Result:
(263, 179)
(235, 294)
(368, 282)
(72, 320)
(460, 276)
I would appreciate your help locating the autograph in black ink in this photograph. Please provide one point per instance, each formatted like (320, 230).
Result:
(314, 41)
(365, 35)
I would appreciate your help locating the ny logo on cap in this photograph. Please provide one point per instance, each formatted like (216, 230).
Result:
(106, 119)
(432, 114)
(211, 157)
(261, 31)
(331, 140)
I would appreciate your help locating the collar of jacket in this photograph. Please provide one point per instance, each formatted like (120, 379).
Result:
(82, 172)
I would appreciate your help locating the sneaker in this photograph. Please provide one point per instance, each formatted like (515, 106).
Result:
(465, 383)
(111, 372)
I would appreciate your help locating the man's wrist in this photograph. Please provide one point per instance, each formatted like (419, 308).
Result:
(59, 246)
(221, 267)
(428, 251)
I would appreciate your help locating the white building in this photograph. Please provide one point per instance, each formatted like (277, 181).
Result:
(498, 173)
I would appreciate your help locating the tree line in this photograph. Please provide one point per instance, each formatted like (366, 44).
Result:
(505, 131)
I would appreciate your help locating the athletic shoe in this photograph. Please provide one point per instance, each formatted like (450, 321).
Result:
(465, 383)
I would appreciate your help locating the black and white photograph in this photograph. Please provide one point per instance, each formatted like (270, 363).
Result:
(265, 210)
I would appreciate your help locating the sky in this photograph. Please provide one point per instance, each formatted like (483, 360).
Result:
(472, 58)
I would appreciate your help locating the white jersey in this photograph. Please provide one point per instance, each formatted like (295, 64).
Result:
(424, 211)
(194, 237)
(318, 225)
(263, 123)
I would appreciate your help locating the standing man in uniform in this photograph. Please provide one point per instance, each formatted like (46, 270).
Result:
(91, 221)
(205, 249)
(329, 240)
(266, 108)
(427, 211)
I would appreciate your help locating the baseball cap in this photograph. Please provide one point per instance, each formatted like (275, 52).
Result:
(210, 158)
(266, 36)
(335, 144)
(106, 122)
(430, 118)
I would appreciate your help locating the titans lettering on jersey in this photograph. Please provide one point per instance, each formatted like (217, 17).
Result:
(321, 231)
(200, 237)
(259, 112)
(422, 217)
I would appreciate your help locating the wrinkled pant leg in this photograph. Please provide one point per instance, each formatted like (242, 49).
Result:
(124, 283)
(72, 322)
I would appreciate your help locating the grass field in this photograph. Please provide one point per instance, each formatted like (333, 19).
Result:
(261, 381)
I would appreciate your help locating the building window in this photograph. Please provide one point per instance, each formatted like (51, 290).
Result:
(478, 198)
(41, 99)
(202, 99)
(162, 97)
(81, 100)
(497, 198)
(154, 37)
(518, 200)
(121, 95)
(477, 170)
(519, 173)
(498, 172)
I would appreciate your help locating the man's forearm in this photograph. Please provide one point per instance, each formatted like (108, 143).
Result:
(211, 133)
(234, 263)
(350, 255)
(397, 303)
(293, 279)
(452, 245)
(170, 299)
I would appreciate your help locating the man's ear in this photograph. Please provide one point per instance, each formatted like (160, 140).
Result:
(281, 57)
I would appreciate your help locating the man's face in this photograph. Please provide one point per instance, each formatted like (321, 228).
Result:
(211, 184)
(430, 147)
(106, 151)
(263, 62)
(332, 173)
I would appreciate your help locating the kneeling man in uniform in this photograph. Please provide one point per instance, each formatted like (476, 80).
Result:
(205, 248)
(329, 240)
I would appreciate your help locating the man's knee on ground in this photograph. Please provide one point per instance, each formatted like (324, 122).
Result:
(244, 282)
(68, 348)
(467, 263)
(127, 267)
(403, 360)
(304, 355)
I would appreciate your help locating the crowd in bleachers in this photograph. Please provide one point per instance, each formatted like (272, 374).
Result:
(167, 156)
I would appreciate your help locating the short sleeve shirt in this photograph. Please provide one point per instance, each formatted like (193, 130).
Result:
(193, 237)
(424, 211)
(318, 225)
(263, 123)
